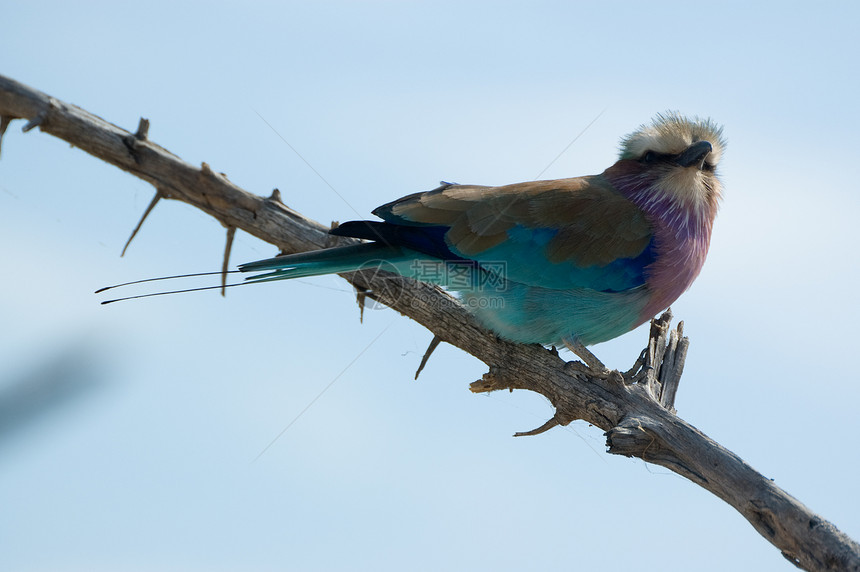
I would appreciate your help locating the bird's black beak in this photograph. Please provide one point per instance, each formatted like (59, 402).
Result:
(695, 154)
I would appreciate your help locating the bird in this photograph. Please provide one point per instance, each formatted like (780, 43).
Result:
(567, 262)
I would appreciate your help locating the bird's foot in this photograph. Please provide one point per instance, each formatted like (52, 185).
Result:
(586, 356)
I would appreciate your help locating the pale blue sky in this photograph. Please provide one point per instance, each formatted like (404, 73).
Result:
(149, 465)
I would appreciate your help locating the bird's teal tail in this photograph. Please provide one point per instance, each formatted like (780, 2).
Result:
(329, 261)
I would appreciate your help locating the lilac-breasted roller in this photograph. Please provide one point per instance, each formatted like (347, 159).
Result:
(579, 260)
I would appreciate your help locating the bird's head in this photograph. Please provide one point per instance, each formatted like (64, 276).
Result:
(673, 158)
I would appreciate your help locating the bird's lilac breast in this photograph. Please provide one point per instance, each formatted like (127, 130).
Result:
(678, 262)
(682, 233)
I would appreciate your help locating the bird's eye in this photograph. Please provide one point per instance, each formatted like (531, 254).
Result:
(649, 157)
(654, 158)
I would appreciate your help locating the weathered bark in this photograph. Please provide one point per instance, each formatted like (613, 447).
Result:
(634, 408)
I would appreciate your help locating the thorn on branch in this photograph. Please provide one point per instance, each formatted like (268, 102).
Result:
(206, 171)
(155, 199)
(231, 234)
(552, 422)
(330, 239)
(360, 299)
(35, 122)
(131, 141)
(142, 129)
(434, 343)
(42, 117)
(5, 120)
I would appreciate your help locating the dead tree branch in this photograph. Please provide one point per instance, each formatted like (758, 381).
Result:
(635, 409)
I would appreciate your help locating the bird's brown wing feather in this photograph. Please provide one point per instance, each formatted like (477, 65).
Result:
(595, 224)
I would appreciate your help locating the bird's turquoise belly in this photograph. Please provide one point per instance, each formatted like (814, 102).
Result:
(529, 314)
